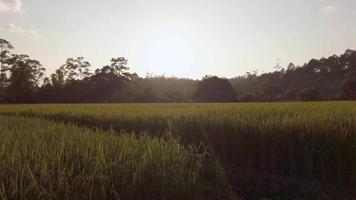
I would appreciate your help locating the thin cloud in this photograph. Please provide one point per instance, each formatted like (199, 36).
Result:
(11, 28)
(329, 8)
(10, 5)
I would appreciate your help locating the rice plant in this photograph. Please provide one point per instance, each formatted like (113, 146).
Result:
(314, 141)
(48, 160)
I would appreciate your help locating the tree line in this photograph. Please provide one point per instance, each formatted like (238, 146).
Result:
(23, 80)
(332, 78)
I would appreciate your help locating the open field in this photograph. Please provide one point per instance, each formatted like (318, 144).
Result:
(47, 160)
(159, 149)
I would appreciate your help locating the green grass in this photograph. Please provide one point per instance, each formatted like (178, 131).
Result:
(47, 160)
(315, 141)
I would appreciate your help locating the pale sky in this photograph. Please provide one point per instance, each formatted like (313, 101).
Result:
(185, 38)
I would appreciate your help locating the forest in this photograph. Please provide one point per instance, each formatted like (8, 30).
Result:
(24, 80)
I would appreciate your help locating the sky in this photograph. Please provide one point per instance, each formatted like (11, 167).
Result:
(183, 38)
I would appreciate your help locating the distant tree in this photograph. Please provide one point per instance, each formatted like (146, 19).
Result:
(247, 98)
(75, 69)
(104, 83)
(57, 78)
(349, 90)
(46, 93)
(326, 78)
(108, 81)
(119, 66)
(5, 48)
(69, 82)
(349, 87)
(290, 94)
(309, 94)
(53, 88)
(214, 89)
(25, 74)
(168, 89)
(136, 91)
(350, 60)
(291, 67)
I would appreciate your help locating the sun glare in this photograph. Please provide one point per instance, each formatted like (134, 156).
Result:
(171, 54)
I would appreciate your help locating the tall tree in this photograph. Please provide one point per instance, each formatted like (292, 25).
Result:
(25, 74)
(57, 78)
(75, 69)
(118, 66)
(349, 87)
(214, 89)
(5, 48)
(108, 81)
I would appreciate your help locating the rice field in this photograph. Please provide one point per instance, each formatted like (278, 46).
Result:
(47, 160)
(171, 151)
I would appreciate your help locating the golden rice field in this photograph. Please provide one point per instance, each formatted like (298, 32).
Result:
(171, 151)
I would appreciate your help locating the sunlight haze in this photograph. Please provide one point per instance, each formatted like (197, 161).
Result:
(185, 38)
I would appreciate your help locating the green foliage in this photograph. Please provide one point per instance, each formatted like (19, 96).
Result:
(309, 94)
(25, 74)
(311, 140)
(214, 89)
(118, 67)
(326, 75)
(5, 48)
(73, 82)
(75, 69)
(349, 87)
(48, 160)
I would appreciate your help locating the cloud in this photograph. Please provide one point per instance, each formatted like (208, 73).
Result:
(14, 29)
(10, 5)
(328, 8)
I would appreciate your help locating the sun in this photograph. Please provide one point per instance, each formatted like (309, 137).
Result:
(171, 54)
